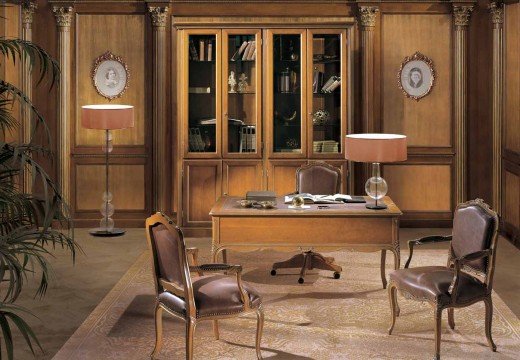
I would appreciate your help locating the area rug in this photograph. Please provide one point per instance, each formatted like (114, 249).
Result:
(321, 319)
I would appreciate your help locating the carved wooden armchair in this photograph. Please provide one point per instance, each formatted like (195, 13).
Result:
(314, 178)
(203, 298)
(468, 276)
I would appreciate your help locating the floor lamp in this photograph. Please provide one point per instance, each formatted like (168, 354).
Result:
(107, 117)
(376, 149)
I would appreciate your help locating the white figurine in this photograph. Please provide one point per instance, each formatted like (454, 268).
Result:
(242, 83)
(232, 82)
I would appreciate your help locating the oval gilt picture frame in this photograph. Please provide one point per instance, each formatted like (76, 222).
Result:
(416, 76)
(110, 76)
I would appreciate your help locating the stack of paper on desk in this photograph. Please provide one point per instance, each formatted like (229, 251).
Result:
(324, 199)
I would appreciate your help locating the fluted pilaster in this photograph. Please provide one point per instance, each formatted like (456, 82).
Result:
(461, 17)
(64, 16)
(497, 18)
(160, 179)
(28, 10)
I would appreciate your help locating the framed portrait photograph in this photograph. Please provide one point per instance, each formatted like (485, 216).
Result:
(416, 76)
(110, 76)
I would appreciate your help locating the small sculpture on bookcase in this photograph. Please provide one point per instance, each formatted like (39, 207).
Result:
(242, 83)
(232, 81)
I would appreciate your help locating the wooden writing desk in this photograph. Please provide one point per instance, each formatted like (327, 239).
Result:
(341, 226)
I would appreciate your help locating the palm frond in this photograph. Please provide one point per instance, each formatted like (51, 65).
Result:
(22, 50)
(8, 313)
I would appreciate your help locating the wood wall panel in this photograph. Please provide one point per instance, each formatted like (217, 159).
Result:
(512, 79)
(420, 187)
(202, 187)
(124, 35)
(10, 27)
(127, 185)
(426, 122)
(511, 209)
(282, 176)
(241, 176)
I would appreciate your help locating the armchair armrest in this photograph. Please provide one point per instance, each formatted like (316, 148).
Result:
(425, 240)
(235, 269)
(193, 254)
(459, 263)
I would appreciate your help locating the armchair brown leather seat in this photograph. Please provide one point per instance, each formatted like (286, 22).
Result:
(468, 276)
(203, 298)
(315, 178)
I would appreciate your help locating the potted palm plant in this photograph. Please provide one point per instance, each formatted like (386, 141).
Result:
(31, 224)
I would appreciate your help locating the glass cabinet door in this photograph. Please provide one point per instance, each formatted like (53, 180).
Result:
(241, 97)
(285, 93)
(327, 92)
(201, 98)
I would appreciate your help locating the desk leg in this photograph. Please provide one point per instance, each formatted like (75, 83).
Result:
(383, 267)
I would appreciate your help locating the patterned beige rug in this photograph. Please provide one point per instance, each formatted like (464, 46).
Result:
(322, 319)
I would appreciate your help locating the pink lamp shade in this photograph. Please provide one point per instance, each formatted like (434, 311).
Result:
(107, 117)
(375, 148)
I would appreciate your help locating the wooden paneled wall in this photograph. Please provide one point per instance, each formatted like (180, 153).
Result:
(11, 27)
(511, 125)
(126, 35)
(424, 186)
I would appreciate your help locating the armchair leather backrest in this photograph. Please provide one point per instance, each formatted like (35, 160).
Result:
(318, 178)
(474, 228)
(168, 251)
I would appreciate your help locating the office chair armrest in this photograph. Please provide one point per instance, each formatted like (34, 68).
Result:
(193, 255)
(458, 264)
(424, 240)
(236, 269)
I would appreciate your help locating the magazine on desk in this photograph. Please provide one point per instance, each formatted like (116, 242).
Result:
(325, 199)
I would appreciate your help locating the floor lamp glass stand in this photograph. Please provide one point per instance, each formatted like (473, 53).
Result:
(376, 188)
(106, 225)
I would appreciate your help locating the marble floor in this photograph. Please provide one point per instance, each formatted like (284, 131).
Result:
(76, 290)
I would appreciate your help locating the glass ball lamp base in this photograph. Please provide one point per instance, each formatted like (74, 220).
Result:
(376, 188)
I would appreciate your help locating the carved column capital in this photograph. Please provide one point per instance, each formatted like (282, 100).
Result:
(159, 15)
(497, 13)
(367, 15)
(28, 10)
(63, 15)
(462, 14)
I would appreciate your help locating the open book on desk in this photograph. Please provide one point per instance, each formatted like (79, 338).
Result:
(326, 199)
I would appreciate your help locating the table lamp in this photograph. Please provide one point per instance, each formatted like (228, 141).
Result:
(107, 117)
(376, 148)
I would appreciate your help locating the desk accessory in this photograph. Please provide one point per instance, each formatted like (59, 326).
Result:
(107, 117)
(376, 148)
(261, 196)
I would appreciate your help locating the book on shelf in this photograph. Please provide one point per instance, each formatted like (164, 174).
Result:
(210, 50)
(201, 50)
(195, 140)
(199, 90)
(331, 84)
(193, 51)
(211, 121)
(254, 55)
(239, 51)
(248, 139)
(251, 51)
(246, 50)
(325, 199)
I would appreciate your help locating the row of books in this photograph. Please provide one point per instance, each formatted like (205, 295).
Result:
(248, 139)
(195, 140)
(205, 52)
(326, 146)
(329, 86)
(246, 51)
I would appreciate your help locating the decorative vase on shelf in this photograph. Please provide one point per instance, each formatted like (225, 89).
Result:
(320, 117)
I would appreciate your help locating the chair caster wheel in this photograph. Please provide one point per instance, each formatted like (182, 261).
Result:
(300, 281)
(273, 272)
(337, 275)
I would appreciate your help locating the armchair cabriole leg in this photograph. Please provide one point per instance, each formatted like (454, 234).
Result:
(489, 318)
(383, 268)
(259, 330)
(158, 331)
(190, 330)
(451, 318)
(215, 329)
(392, 294)
(438, 325)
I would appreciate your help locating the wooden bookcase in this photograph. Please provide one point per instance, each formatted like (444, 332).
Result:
(257, 106)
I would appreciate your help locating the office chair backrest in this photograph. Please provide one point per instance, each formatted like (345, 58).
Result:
(318, 178)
